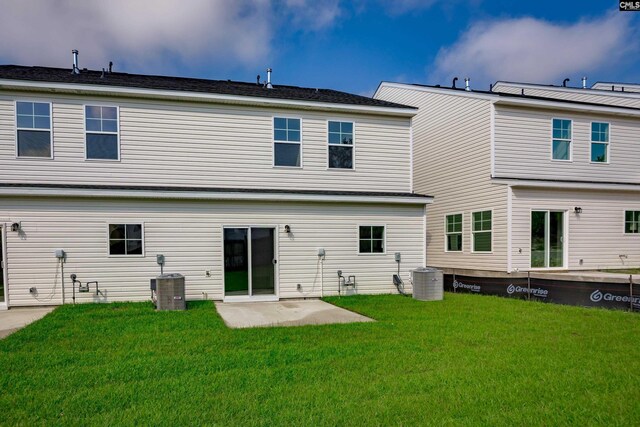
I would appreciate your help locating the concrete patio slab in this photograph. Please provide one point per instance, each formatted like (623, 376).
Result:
(17, 318)
(284, 313)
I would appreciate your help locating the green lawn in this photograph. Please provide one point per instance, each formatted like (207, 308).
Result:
(470, 359)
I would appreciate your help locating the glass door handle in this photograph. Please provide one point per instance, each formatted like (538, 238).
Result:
(275, 261)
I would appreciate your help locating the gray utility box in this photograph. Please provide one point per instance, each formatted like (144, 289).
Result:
(428, 284)
(170, 292)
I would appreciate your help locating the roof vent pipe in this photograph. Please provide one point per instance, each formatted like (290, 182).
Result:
(466, 84)
(564, 82)
(453, 84)
(584, 82)
(269, 85)
(76, 69)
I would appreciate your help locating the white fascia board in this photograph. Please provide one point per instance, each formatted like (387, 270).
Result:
(524, 102)
(213, 196)
(591, 91)
(565, 185)
(568, 106)
(443, 91)
(82, 89)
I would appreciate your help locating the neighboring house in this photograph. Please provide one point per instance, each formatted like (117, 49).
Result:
(548, 180)
(240, 186)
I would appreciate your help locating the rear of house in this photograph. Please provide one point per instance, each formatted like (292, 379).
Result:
(251, 192)
(526, 182)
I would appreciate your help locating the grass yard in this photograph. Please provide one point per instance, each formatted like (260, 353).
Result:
(470, 360)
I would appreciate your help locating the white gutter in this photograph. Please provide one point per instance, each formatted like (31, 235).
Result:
(594, 90)
(87, 89)
(565, 185)
(213, 196)
(513, 99)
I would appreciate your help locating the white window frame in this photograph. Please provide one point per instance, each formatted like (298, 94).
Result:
(273, 138)
(384, 239)
(608, 143)
(565, 238)
(125, 222)
(624, 223)
(570, 140)
(473, 232)
(353, 146)
(446, 232)
(84, 124)
(16, 128)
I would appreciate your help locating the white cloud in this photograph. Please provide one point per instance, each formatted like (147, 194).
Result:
(152, 35)
(533, 50)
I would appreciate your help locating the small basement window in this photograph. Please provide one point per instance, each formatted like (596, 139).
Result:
(286, 142)
(631, 222)
(481, 231)
(33, 124)
(341, 145)
(454, 232)
(125, 239)
(371, 239)
(101, 127)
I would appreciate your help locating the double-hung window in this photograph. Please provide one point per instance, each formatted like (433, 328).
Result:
(125, 239)
(341, 145)
(561, 141)
(632, 222)
(33, 124)
(101, 127)
(599, 142)
(481, 231)
(371, 239)
(454, 232)
(286, 142)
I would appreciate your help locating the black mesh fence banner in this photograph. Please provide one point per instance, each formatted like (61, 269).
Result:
(625, 296)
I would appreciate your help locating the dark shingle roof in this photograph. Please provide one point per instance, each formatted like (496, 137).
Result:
(225, 87)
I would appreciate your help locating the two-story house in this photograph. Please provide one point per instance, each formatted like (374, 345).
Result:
(252, 191)
(527, 177)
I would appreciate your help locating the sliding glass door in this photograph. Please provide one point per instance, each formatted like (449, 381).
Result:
(547, 239)
(249, 261)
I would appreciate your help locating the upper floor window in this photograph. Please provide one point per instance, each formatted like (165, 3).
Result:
(286, 142)
(632, 222)
(371, 239)
(101, 127)
(599, 142)
(454, 232)
(481, 231)
(341, 145)
(33, 123)
(561, 142)
(125, 239)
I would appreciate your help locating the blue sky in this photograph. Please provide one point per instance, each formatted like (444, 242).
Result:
(348, 46)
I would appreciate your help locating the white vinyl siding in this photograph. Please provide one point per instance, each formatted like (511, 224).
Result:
(208, 145)
(595, 238)
(522, 147)
(189, 235)
(452, 162)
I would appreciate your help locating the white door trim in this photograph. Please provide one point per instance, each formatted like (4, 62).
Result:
(5, 276)
(565, 239)
(276, 266)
